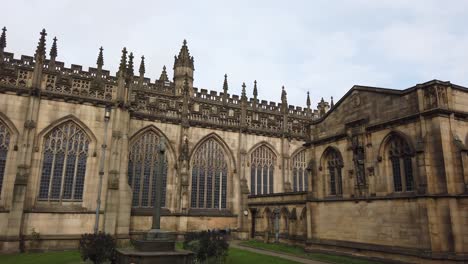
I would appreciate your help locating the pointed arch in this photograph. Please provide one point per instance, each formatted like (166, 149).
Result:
(299, 167)
(262, 159)
(331, 163)
(398, 158)
(65, 151)
(211, 162)
(169, 147)
(263, 143)
(146, 164)
(224, 145)
(8, 134)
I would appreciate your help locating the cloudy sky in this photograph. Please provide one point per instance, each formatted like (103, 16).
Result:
(324, 47)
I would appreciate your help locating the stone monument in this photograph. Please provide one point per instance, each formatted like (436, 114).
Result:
(157, 246)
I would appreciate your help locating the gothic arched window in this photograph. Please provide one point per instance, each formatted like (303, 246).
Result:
(400, 156)
(209, 176)
(144, 165)
(4, 144)
(262, 168)
(334, 165)
(64, 163)
(299, 166)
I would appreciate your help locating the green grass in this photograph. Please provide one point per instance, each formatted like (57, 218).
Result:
(299, 251)
(62, 257)
(73, 257)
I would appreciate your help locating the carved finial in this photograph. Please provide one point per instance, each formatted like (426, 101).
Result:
(130, 65)
(308, 100)
(41, 46)
(123, 61)
(255, 92)
(3, 39)
(163, 76)
(100, 58)
(142, 66)
(225, 84)
(53, 50)
(332, 103)
(185, 42)
(244, 95)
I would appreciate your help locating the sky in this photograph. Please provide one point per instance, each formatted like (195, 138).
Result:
(321, 46)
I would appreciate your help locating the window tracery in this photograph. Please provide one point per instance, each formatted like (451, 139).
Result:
(334, 164)
(262, 167)
(144, 165)
(299, 166)
(64, 163)
(4, 144)
(209, 176)
(400, 156)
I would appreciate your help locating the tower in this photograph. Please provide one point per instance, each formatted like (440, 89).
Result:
(183, 68)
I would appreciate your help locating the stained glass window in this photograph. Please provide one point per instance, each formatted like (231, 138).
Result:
(263, 161)
(144, 166)
(4, 144)
(299, 166)
(64, 163)
(400, 156)
(209, 176)
(334, 164)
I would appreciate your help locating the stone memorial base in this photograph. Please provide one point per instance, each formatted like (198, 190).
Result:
(157, 247)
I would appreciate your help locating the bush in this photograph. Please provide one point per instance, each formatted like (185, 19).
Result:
(208, 246)
(98, 248)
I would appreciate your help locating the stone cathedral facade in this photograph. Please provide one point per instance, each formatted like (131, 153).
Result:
(381, 173)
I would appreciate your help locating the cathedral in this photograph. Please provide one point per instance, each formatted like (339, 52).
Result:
(381, 173)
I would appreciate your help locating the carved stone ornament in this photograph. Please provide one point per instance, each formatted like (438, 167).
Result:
(29, 124)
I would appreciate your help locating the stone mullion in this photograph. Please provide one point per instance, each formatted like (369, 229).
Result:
(52, 169)
(75, 170)
(64, 168)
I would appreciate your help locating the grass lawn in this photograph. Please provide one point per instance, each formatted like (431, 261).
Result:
(299, 251)
(73, 257)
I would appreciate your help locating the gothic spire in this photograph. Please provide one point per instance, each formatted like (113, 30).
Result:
(163, 76)
(255, 92)
(100, 59)
(332, 103)
(142, 66)
(41, 46)
(225, 84)
(123, 61)
(184, 58)
(3, 39)
(308, 100)
(130, 65)
(53, 50)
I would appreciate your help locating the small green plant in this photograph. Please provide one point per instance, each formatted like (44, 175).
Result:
(98, 248)
(208, 246)
(35, 236)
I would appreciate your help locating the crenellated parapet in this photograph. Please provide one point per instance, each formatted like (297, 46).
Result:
(161, 99)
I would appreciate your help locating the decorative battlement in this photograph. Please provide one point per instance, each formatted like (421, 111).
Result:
(162, 99)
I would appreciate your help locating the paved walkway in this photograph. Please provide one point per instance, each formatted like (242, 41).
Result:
(236, 244)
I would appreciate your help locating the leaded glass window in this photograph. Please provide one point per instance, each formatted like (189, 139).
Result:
(209, 176)
(145, 164)
(4, 144)
(263, 161)
(64, 163)
(299, 165)
(400, 156)
(334, 164)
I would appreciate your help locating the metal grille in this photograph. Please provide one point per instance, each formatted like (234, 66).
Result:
(144, 165)
(263, 162)
(4, 144)
(64, 163)
(299, 165)
(209, 176)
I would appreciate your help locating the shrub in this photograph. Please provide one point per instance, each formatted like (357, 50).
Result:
(208, 246)
(97, 248)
